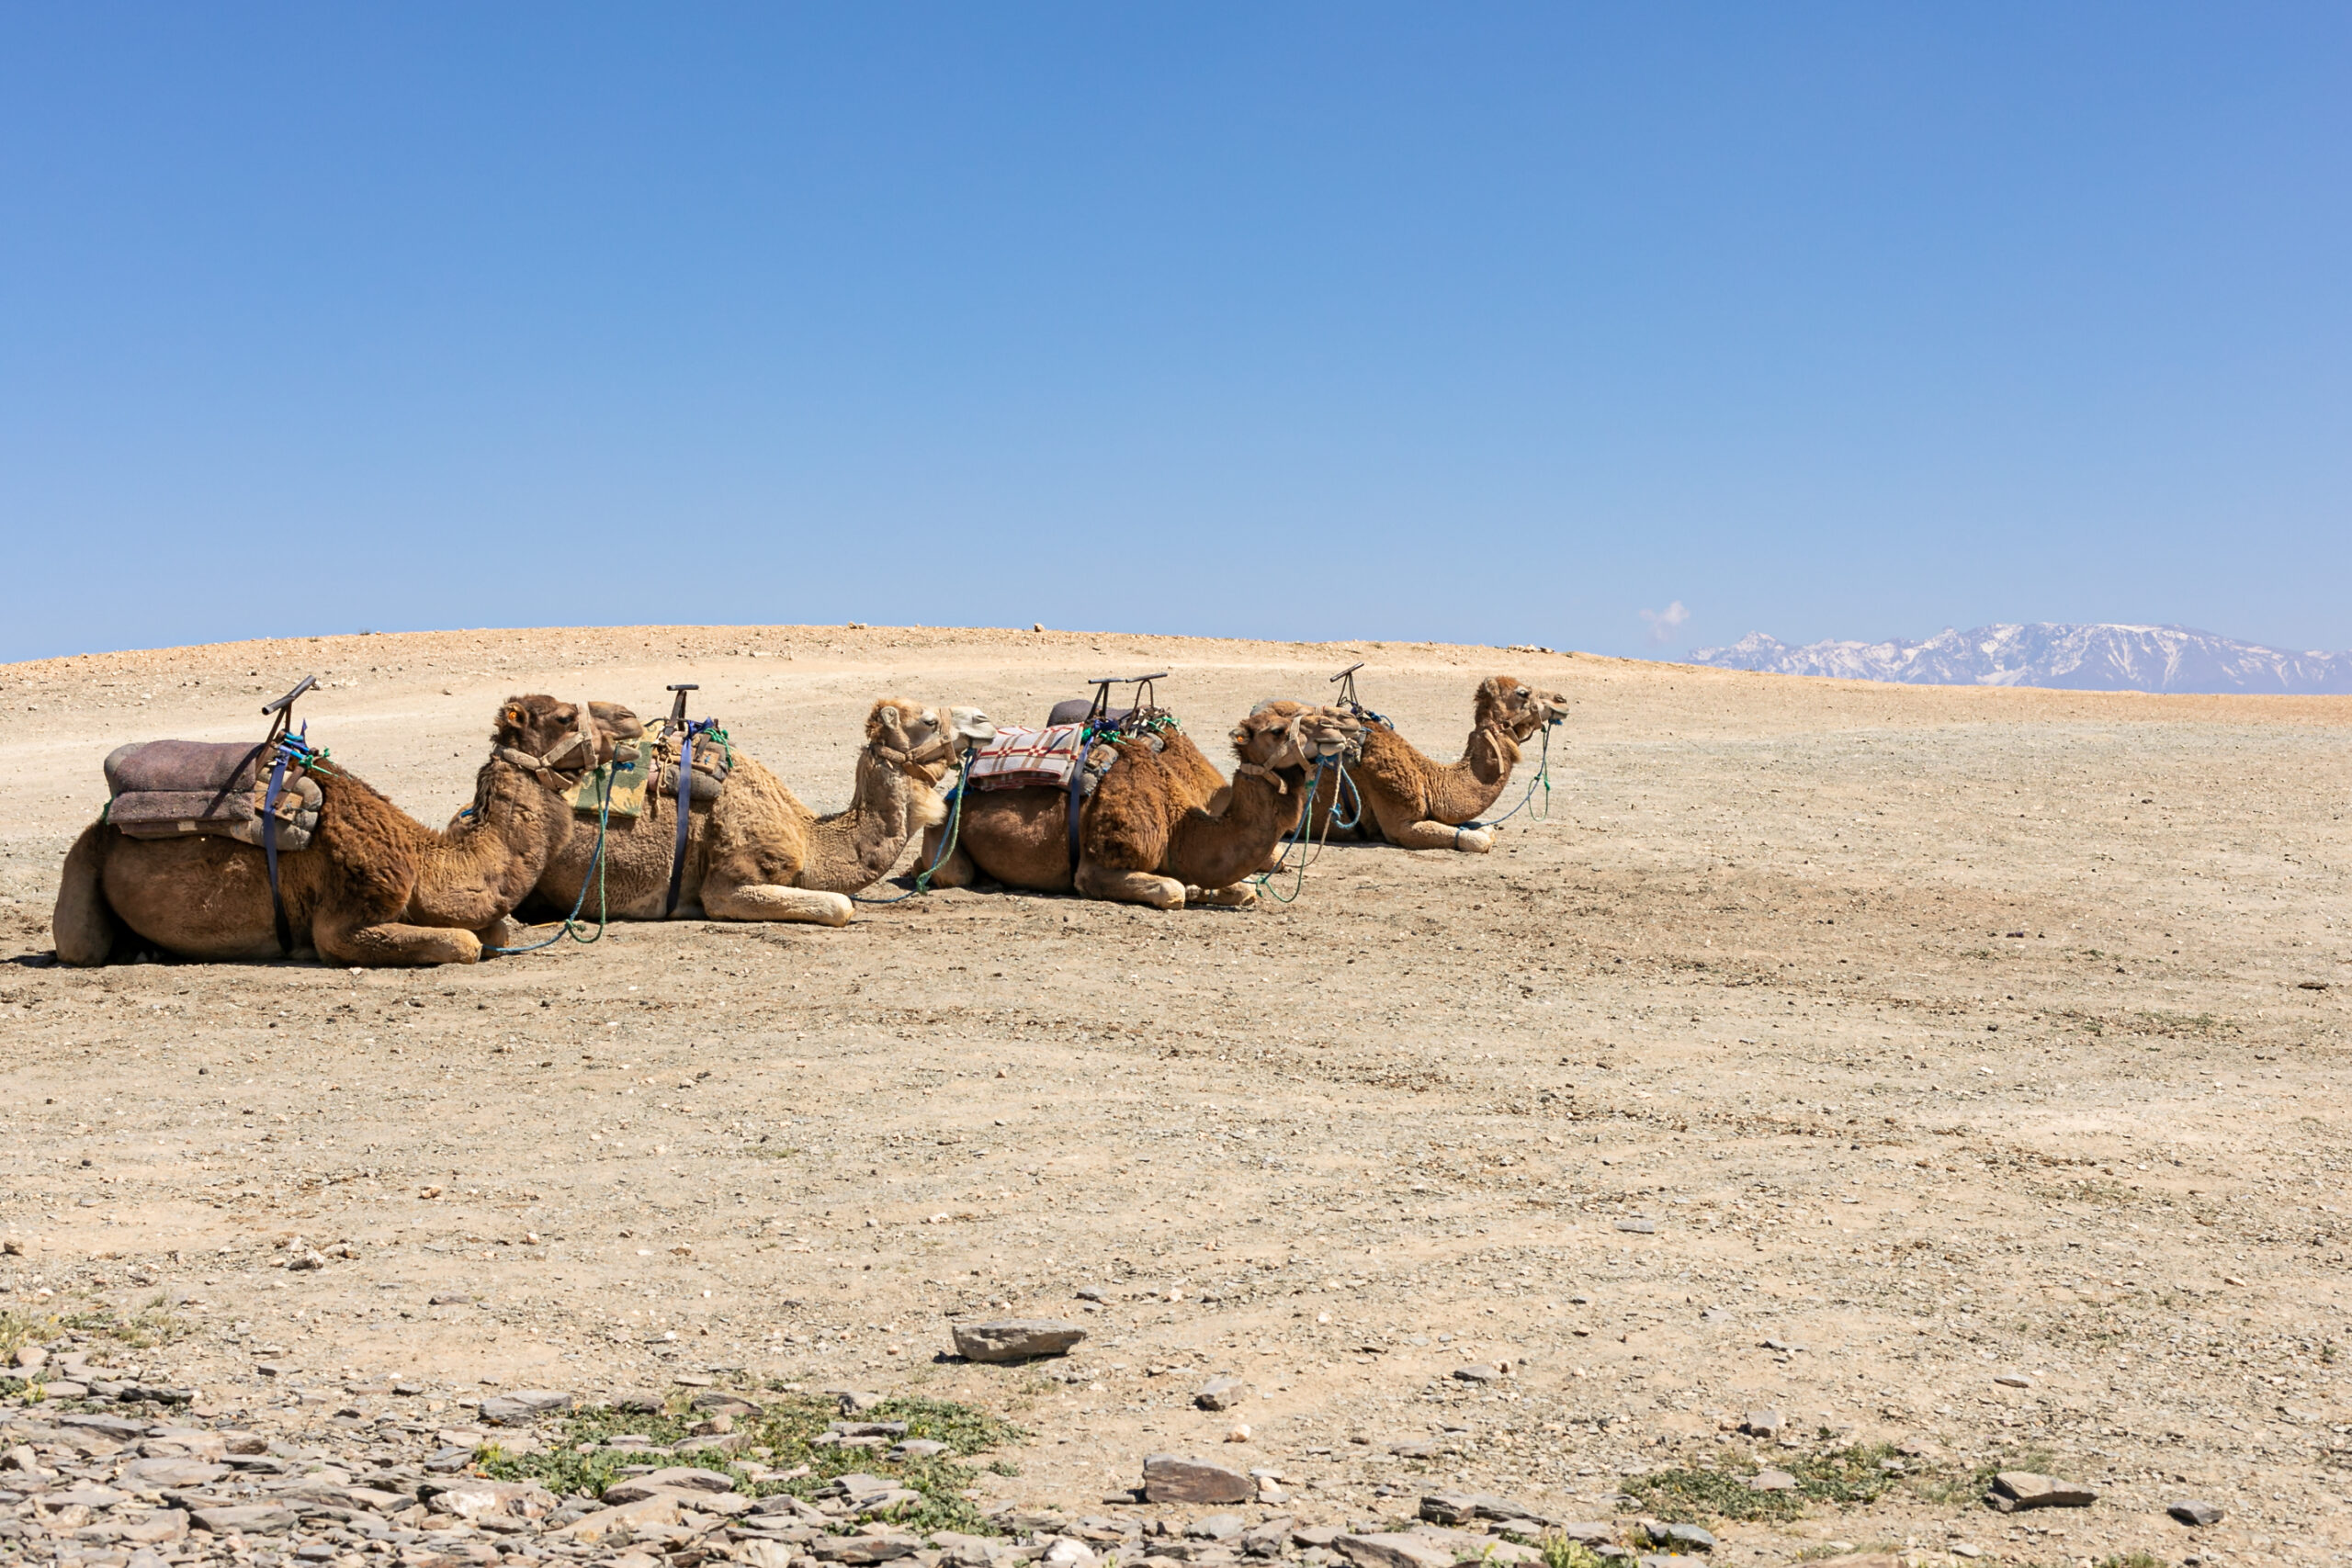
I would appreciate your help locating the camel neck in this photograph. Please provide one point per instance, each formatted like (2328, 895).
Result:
(1218, 852)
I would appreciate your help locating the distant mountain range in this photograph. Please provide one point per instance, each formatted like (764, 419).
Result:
(2074, 658)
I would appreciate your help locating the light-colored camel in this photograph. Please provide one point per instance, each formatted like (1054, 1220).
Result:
(374, 887)
(1164, 827)
(756, 854)
(1416, 804)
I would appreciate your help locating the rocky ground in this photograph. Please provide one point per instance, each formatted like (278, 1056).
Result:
(1859, 1091)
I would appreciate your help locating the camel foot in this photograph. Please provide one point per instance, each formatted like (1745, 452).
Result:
(1240, 895)
(397, 946)
(1130, 888)
(500, 932)
(767, 902)
(1474, 841)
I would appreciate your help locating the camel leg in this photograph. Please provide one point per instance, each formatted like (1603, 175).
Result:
(1129, 886)
(390, 946)
(1240, 895)
(1440, 836)
(82, 926)
(766, 901)
(501, 932)
(958, 872)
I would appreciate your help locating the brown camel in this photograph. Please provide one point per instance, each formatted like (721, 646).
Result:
(374, 887)
(1163, 826)
(756, 854)
(1416, 804)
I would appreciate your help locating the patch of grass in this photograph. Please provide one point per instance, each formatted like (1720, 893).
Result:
(788, 1431)
(1559, 1551)
(150, 1326)
(18, 1329)
(2133, 1559)
(1840, 1477)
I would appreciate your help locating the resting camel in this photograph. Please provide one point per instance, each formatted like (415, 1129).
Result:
(1416, 804)
(756, 854)
(374, 887)
(1163, 826)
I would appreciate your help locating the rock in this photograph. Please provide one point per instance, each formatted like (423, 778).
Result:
(660, 1510)
(1771, 1481)
(2014, 1490)
(861, 1549)
(154, 1475)
(867, 1428)
(1586, 1532)
(1638, 1226)
(1015, 1338)
(1068, 1553)
(1764, 1423)
(1315, 1535)
(62, 1388)
(1462, 1507)
(1686, 1538)
(855, 1484)
(1221, 1393)
(2199, 1513)
(114, 1427)
(853, 1401)
(2011, 1380)
(920, 1448)
(1863, 1560)
(1478, 1374)
(476, 1499)
(1268, 1539)
(1171, 1478)
(522, 1406)
(159, 1529)
(1216, 1527)
(1414, 1450)
(722, 1402)
(1393, 1551)
(687, 1478)
(256, 1518)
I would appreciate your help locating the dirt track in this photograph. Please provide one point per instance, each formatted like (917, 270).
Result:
(1948, 1034)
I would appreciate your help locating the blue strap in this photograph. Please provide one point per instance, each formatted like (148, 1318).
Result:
(685, 787)
(269, 853)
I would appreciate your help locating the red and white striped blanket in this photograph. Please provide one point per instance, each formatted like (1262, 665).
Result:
(1026, 759)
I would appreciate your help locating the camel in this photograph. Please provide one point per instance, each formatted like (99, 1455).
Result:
(1164, 827)
(756, 854)
(375, 888)
(1416, 804)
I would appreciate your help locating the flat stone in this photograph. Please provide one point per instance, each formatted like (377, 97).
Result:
(1771, 1481)
(867, 1428)
(256, 1519)
(1220, 1393)
(1413, 1449)
(855, 1484)
(2012, 1380)
(921, 1448)
(112, 1425)
(2199, 1513)
(1269, 1538)
(2014, 1490)
(1764, 1423)
(1397, 1549)
(1586, 1532)
(853, 1401)
(861, 1549)
(522, 1406)
(1462, 1507)
(1017, 1338)
(1315, 1535)
(1638, 1226)
(154, 1475)
(659, 1510)
(1068, 1553)
(1687, 1538)
(689, 1478)
(63, 1388)
(1216, 1527)
(1172, 1478)
(475, 1499)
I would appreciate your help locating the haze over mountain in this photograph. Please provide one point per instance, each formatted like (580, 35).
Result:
(2094, 658)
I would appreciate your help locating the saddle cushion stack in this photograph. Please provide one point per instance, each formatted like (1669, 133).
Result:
(167, 789)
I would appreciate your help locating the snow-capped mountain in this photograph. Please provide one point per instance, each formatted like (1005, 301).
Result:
(2077, 658)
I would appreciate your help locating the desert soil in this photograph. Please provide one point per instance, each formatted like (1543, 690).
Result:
(1983, 1044)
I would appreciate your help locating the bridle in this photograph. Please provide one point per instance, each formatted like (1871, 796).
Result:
(550, 766)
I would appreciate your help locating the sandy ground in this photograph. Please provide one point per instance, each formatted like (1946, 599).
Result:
(1951, 1035)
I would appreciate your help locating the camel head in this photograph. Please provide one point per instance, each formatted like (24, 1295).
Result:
(1513, 705)
(1322, 732)
(924, 740)
(554, 740)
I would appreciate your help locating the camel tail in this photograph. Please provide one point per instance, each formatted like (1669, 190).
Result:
(83, 924)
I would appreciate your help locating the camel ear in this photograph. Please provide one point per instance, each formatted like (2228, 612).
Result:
(513, 717)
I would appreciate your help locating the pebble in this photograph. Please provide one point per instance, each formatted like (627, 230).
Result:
(2011, 1380)
(522, 1406)
(1461, 1507)
(1172, 1478)
(1687, 1536)
(1221, 1393)
(1477, 1374)
(1638, 1227)
(1216, 1527)
(1015, 1338)
(2198, 1514)
(1764, 1423)
(1771, 1481)
(1393, 1549)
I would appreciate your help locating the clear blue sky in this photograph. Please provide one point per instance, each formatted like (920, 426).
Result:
(1495, 323)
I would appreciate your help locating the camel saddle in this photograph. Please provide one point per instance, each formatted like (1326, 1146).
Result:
(648, 765)
(166, 789)
(1022, 757)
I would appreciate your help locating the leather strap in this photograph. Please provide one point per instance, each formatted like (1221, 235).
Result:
(269, 853)
(1259, 771)
(685, 788)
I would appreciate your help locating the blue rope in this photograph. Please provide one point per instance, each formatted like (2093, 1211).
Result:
(1543, 776)
(946, 847)
(1299, 834)
(596, 863)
